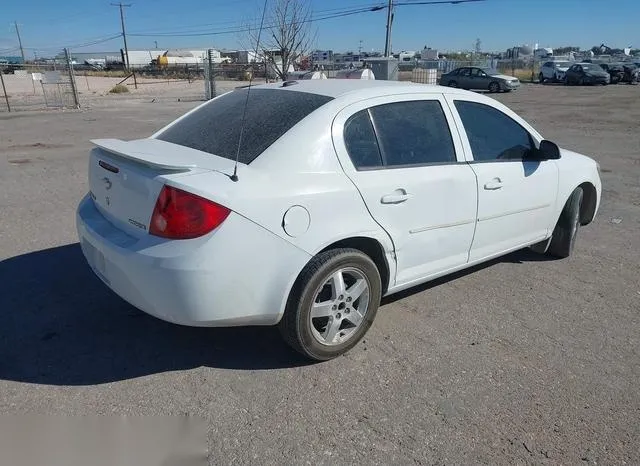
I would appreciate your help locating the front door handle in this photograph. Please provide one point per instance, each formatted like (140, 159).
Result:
(494, 184)
(396, 197)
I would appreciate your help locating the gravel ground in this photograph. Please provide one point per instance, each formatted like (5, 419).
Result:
(522, 360)
(93, 91)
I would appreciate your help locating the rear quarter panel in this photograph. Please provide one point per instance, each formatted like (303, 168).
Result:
(300, 169)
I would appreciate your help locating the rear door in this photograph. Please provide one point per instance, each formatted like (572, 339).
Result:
(516, 197)
(407, 164)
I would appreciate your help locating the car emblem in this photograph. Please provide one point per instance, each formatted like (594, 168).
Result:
(107, 183)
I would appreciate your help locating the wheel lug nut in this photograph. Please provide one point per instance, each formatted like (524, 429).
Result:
(340, 297)
(347, 311)
(338, 315)
(334, 307)
(349, 299)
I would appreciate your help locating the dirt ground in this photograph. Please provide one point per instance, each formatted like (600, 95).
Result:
(522, 360)
(93, 91)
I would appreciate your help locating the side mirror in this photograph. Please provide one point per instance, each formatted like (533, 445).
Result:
(549, 150)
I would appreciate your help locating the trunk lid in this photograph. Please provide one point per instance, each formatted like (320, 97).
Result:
(125, 177)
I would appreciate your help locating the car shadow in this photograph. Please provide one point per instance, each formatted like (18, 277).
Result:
(61, 325)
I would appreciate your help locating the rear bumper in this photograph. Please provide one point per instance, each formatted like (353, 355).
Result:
(236, 275)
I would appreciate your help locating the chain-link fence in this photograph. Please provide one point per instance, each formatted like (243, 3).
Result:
(36, 86)
(430, 71)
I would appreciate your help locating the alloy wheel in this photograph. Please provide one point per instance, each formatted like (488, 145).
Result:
(339, 306)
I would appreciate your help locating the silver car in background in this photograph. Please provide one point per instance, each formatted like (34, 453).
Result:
(479, 79)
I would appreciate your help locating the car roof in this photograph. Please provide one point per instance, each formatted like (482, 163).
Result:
(358, 88)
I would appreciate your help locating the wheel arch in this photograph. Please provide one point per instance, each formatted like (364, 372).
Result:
(589, 203)
(368, 245)
(372, 248)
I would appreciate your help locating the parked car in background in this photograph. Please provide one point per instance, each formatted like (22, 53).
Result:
(479, 79)
(615, 70)
(553, 71)
(631, 73)
(586, 73)
(342, 192)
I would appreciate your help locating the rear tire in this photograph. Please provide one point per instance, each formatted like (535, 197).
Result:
(564, 235)
(452, 84)
(317, 290)
(541, 78)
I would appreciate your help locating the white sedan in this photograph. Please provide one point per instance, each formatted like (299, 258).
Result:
(553, 71)
(343, 192)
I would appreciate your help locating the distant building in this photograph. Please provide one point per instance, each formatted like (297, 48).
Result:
(322, 57)
(429, 54)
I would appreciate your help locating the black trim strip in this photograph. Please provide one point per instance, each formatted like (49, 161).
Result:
(108, 166)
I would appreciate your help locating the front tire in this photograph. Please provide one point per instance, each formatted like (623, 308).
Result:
(453, 84)
(332, 304)
(541, 78)
(564, 235)
(494, 87)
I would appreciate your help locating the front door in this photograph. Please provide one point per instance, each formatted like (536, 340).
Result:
(516, 197)
(408, 166)
(479, 79)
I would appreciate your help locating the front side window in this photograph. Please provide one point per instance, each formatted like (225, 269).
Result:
(413, 133)
(493, 136)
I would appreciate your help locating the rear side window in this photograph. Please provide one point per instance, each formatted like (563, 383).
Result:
(361, 143)
(215, 127)
(413, 133)
(493, 136)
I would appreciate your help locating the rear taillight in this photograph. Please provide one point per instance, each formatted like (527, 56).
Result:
(182, 215)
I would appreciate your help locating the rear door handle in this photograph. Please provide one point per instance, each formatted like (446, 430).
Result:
(396, 197)
(494, 184)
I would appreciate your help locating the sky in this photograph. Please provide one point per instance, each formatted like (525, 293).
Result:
(94, 25)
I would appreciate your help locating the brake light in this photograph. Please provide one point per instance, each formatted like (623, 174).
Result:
(182, 215)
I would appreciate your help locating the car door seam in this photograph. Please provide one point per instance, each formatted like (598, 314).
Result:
(449, 101)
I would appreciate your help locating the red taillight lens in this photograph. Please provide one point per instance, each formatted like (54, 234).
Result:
(182, 215)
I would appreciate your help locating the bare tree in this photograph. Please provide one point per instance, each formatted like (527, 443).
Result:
(287, 34)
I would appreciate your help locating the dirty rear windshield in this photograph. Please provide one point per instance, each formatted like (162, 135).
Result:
(215, 127)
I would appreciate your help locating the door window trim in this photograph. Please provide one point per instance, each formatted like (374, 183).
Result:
(337, 130)
(534, 137)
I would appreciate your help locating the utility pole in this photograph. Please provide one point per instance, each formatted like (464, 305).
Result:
(387, 44)
(124, 33)
(15, 23)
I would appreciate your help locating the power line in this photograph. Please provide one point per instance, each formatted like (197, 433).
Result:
(79, 45)
(238, 29)
(124, 34)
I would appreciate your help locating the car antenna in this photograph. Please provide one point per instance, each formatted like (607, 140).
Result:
(234, 177)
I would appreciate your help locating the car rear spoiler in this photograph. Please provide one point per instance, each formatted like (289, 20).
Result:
(164, 155)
